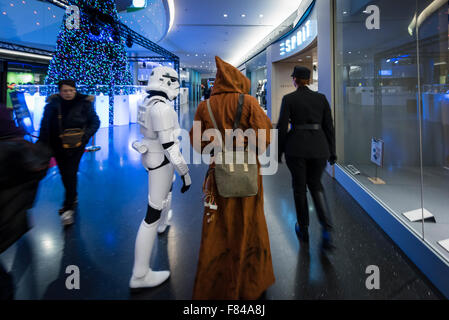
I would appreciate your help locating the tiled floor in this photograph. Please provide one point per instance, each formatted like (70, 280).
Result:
(113, 200)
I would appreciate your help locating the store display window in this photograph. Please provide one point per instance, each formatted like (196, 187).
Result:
(392, 108)
(256, 71)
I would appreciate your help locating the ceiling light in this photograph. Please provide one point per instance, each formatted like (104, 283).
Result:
(260, 15)
(171, 8)
(225, 15)
(243, 15)
(24, 54)
(345, 12)
(196, 55)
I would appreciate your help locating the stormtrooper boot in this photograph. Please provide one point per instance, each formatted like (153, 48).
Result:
(166, 215)
(143, 276)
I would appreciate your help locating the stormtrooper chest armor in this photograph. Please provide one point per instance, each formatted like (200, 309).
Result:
(156, 114)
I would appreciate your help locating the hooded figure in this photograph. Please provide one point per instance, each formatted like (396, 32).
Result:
(235, 256)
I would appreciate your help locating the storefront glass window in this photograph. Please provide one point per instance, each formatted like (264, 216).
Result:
(432, 33)
(392, 107)
(256, 71)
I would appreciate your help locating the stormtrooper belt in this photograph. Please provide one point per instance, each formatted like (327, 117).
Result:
(166, 161)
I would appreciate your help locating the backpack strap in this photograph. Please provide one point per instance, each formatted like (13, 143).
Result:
(60, 119)
(238, 115)
(211, 114)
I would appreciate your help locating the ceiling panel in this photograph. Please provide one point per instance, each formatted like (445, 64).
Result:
(201, 28)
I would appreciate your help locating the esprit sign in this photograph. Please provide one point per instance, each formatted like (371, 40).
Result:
(297, 39)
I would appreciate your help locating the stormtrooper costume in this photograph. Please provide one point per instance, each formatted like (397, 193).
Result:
(161, 156)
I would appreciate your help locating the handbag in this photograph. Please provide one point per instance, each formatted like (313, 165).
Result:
(71, 138)
(236, 178)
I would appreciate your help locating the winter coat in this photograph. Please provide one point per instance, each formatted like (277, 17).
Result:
(22, 166)
(81, 114)
(235, 256)
(303, 107)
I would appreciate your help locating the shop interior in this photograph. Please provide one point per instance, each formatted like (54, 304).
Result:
(396, 92)
(256, 71)
(282, 83)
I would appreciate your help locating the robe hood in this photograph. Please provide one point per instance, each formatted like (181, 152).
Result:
(229, 79)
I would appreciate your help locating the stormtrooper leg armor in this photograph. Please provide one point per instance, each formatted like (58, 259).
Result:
(167, 213)
(160, 181)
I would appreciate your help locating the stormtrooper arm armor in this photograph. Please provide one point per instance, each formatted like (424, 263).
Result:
(139, 147)
(164, 124)
(172, 152)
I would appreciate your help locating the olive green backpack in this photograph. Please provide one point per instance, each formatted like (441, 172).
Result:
(236, 178)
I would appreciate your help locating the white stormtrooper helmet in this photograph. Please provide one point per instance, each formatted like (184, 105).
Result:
(166, 80)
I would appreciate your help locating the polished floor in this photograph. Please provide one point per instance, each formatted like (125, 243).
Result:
(113, 200)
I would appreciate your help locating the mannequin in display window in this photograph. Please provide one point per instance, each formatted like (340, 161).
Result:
(259, 91)
(264, 94)
(161, 156)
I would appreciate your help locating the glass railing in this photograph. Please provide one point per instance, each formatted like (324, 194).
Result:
(97, 90)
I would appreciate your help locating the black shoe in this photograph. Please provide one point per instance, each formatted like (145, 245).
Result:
(263, 296)
(302, 233)
(326, 244)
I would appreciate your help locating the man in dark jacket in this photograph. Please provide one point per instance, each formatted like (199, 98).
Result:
(307, 146)
(22, 166)
(68, 110)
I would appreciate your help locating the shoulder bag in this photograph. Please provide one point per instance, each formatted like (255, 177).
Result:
(236, 178)
(71, 138)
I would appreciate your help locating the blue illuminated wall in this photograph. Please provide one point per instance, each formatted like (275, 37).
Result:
(194, 85)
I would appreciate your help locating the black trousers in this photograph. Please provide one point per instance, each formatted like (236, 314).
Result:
(68, 164)
(307, 173)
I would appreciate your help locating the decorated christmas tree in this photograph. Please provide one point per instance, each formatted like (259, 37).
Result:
(91, 52)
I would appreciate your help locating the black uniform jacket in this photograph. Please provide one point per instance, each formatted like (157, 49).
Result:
(81, 114)
(301, 107)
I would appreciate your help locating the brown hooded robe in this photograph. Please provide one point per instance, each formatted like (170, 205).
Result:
(235, 257)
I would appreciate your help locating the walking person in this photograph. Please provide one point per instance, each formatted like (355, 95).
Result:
(235, 258)
(68, 123)
(22, 166)
(308, 146)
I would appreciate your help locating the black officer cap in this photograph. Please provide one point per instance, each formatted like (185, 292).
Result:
(301, 73)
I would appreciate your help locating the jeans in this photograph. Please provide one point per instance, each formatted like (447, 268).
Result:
(68, 164)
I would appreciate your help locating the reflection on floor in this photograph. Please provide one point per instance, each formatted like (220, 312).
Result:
(113, 200)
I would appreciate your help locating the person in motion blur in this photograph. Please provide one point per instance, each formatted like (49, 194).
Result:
(22, 166)
(68, 110)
